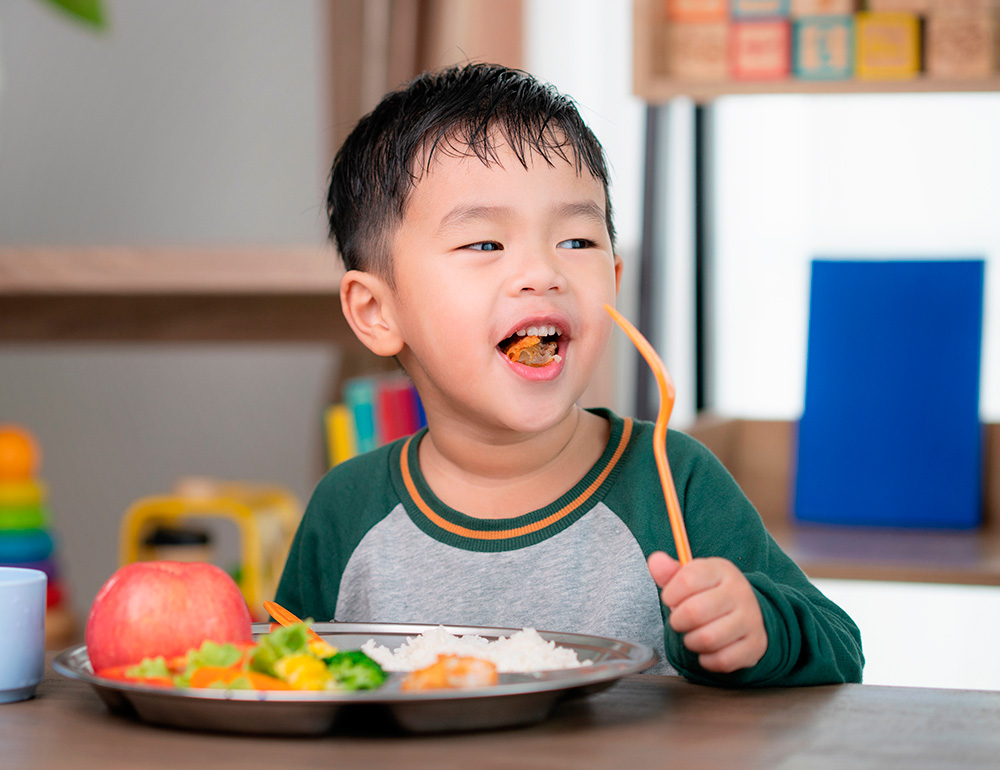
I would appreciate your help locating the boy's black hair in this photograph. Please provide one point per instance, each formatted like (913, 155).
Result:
(464, 111)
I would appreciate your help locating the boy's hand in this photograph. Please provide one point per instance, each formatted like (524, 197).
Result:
(713, 605)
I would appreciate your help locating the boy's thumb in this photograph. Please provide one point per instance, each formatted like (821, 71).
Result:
(662, 567)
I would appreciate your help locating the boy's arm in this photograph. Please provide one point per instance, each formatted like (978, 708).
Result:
(810, 640)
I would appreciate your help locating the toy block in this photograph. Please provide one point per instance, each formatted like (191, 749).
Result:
(697, 10)
(887, 46)
(696, 51)
(802, 8)
(823, 48)
(760, 50)
(899, 6)
(760, 9)
(961, 45)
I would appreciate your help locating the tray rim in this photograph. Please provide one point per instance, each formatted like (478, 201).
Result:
(637, 658)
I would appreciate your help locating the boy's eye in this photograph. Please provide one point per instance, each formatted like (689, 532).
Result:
(485, 246)
(575, 243)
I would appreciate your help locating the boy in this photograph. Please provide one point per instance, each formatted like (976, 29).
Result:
(471, 209)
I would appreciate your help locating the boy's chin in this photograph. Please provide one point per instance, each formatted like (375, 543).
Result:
(542, 417)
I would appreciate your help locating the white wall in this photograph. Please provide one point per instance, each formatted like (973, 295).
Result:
(184, 122)
(800, 177)
(921, 635)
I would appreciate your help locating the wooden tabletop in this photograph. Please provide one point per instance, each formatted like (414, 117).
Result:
(642, 721)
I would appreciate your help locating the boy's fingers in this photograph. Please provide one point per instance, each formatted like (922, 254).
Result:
(698, 610)
(715, 635)
(697, 576)
(741, 654)
(662, 567)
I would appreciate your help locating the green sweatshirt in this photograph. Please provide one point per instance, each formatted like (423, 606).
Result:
(376, 545)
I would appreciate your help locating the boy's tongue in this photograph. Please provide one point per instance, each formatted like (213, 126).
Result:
(530, 350)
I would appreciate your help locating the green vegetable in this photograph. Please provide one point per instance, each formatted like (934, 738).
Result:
(354, 670)
(272, 647)
(149, 668)
(209, 655)
(87, 11)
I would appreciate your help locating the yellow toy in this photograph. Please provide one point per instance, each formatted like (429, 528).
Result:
(266, 517)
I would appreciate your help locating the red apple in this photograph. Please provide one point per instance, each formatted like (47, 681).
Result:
(151, 608)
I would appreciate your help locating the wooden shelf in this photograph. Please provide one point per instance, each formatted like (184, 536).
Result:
(173, 270)
(658, 90)
(172, 294)
(759, 454)
(654, 86)
(902, 555)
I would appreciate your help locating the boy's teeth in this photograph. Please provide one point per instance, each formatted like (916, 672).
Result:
(539, 331)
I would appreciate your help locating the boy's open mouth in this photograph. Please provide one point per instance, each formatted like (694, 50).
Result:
(533, 346)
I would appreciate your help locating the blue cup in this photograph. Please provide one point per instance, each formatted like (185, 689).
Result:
(22, 632)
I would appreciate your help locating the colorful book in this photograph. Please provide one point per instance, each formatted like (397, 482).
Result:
(396, 411)
(359, 396)
(341, 441)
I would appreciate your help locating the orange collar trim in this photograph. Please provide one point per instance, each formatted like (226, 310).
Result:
(527, 529)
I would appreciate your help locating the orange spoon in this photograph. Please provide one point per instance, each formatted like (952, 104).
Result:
(286, 618)
(666, 385)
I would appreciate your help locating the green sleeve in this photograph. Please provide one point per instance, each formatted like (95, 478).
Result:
(810, 639)
(348, 501)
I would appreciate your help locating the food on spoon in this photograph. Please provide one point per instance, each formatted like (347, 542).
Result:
(451, 672)
(163, 609)
(284, 659)
(532, 350)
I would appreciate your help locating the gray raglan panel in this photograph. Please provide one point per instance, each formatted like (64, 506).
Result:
(591, 578)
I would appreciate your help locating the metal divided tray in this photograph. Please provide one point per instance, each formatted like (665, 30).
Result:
(517, 698)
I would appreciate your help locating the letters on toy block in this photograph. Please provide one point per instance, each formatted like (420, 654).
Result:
(760, 50)
(887, 45)
(696, 51)
(823, 7)
(823, 48)
(698, 10)
(961, 45)
(760, 9)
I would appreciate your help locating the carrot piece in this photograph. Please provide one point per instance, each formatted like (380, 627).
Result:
(210, 675)
(118, 673)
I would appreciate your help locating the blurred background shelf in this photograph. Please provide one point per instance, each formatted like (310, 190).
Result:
(655, 83)
(760, 456)
(171, 294)
(657, 89)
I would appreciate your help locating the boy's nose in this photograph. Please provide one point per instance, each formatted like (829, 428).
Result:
(539, 272)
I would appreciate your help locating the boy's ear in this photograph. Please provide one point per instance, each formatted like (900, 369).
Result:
(618, 273)
(367, 303)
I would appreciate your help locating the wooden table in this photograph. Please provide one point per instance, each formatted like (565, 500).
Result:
(643, 721)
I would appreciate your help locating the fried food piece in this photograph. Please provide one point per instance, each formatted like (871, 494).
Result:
(533, 351)
(452, 672)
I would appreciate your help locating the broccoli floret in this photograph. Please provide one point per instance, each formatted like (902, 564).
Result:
(354, 670)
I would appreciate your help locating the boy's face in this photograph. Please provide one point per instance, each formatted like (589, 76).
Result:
(484, 252)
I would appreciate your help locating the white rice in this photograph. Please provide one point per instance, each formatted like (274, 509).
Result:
(521, 652)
